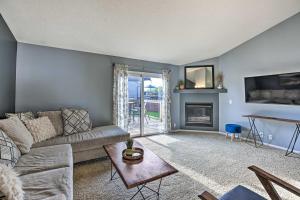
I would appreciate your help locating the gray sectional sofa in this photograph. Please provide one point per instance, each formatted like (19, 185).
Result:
(47, 170)
(88, 145)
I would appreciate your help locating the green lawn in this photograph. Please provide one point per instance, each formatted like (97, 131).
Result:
(154, 115)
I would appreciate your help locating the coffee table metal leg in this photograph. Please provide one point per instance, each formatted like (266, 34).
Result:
(158, 188)
(139, 191)
(112, 174)
(144, 186)
(157, 192)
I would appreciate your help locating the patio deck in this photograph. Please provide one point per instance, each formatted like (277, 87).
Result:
(151, 126)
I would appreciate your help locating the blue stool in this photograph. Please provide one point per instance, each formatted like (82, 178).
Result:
(233, 129)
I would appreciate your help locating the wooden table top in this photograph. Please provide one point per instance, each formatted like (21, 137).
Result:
(151, 168)
(297, 121)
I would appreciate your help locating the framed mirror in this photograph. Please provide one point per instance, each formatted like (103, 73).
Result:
(199, 77)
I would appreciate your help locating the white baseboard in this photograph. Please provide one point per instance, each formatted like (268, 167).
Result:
(243, 138)
(199, 131)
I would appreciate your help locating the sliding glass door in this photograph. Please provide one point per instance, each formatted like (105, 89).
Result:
(152, 103)
(145, 92)
(134, 104)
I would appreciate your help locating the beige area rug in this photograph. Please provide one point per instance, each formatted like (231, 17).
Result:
(205, 161)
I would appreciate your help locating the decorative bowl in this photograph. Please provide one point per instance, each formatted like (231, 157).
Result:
(135, 154)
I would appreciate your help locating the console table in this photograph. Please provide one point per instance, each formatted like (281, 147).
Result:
(254, 132)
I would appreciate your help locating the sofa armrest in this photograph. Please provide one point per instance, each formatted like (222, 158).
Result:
(267, 179)
(207, 196)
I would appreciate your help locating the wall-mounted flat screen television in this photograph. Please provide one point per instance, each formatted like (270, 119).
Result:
(273, 89)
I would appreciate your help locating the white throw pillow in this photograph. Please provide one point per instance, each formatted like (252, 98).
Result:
(16, 130)
(10, 184)
(40, 128)
(56, 119)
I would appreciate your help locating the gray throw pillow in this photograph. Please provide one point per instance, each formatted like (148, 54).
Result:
(56, 119)
(17, 131)
(9, 152)
(76, 121)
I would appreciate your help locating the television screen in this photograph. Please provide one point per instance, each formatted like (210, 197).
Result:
(273, 89)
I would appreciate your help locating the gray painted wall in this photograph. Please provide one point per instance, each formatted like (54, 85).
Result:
(8, 51)
(51, 78)
(274, 51)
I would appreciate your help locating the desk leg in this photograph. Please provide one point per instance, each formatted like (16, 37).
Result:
(293, 140)
(254, 132)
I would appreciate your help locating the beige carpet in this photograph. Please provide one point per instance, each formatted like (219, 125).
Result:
(205, 161)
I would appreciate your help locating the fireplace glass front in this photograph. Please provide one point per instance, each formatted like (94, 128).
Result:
(199, 114)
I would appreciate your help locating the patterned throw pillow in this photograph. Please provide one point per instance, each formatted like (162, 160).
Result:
(56, 119)
(23, 116)
(76, 121)
(40, 129)
(9, 152)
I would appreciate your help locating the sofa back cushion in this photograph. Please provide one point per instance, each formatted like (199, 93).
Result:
(40, 128)
(56, 119)
(76, 121)
(17, 131)
(9, 152)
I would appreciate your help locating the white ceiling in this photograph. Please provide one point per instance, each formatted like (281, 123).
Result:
(168, 31)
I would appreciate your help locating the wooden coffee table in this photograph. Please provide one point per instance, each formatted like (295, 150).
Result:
(138, 174)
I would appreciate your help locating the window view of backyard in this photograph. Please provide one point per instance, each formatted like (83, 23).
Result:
(152, 97)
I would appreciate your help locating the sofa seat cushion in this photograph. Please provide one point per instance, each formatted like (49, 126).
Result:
(241, 193)
(49, 184)
(45, 158)
(95, 138)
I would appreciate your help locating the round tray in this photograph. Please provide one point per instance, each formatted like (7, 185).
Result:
(138, 154)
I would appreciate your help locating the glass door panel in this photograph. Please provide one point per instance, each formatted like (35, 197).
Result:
(152, 104)
(134, 104)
